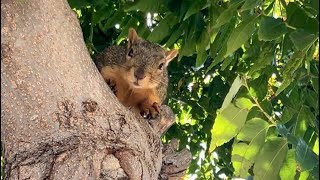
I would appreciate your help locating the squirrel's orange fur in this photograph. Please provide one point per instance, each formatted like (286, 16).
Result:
(138, 73)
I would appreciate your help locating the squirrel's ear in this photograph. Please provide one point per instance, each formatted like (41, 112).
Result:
(133, 36)
(171, 55)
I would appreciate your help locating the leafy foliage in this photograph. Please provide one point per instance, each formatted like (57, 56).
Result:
(245, 86)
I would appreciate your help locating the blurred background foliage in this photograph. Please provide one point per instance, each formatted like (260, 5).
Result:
(245, 86)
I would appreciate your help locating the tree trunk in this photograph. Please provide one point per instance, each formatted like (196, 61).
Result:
(59, 119)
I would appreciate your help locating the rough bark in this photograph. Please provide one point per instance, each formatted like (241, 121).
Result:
(59, 119)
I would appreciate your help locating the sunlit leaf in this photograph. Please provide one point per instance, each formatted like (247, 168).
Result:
(231, 118)
(240, 35)
(304, 175)
(315, 148)
(270, 159)
(243, 103)
(301, 124)
(237, 83)
(288, 169)
(243, 154)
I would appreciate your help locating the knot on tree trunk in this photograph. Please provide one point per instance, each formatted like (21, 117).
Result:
(174, 163)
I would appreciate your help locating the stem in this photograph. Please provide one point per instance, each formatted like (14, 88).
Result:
(280, 9)
(91, 46)
(258, 104)
(91, 26)
(291, 27)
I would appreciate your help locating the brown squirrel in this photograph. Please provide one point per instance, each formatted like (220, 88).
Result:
(137, 74)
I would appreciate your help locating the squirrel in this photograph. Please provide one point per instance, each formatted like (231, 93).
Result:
(137, 74)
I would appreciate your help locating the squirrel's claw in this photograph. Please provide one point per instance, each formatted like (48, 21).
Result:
(149, 111)
(112, 84)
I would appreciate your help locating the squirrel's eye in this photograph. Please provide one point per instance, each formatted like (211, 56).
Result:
(130, 52)
(160, 66)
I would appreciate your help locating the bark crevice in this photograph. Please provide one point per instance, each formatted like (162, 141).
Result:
(59, 118)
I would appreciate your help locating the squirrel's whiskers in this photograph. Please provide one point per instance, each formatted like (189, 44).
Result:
(137, 73)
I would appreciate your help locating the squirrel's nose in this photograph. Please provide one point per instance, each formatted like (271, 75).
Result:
(139, 74)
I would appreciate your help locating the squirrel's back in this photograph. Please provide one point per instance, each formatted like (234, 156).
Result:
(111, 55)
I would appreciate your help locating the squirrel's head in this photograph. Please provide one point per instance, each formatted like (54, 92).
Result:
(147, 62)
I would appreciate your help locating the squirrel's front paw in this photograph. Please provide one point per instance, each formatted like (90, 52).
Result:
(149, 110)
(112, 84)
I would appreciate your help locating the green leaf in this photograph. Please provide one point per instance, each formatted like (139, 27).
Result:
(188, 47)
(244, 154)
(271, 28)
(201, 58)
(305, 156)
(195, 7)
(218, 58)
(241, 164)
(218, 48)
(103, 12)
(289, 73)
(259, 87)
(253, 129)
(116, 18)
(283, 131)
(302, 40)
(315, 148)
(315, 83)
(162, 30)
(312, 99)
(227, 14)
(175, 35)
(240, 35)
(132, 23)
(78, 4)
(286, 82)
(243, 103)
(270, 158)
(287, 114)
(265, 58)
(201, 47)
(230, 117)
(227, 62)
(288, 169)
(250, 4)
(315, 172)
(144, 6)
(304, 175)
(287, 45)
(301, 123)
(306, 115)
(298, 18)
(237, 83)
